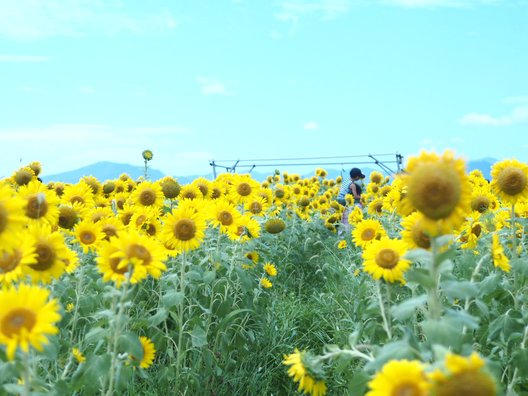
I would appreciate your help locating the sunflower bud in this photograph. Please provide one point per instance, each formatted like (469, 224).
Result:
(274, 226)
(147, 155)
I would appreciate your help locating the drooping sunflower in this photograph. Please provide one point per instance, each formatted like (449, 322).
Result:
(148, 195)
(367, 231)
(12, 219)
(384, 259)
(509, 180)
(483, 201)
(70, 215)
(465, 376)
(413, 233)
(204, 186)
(94, 184)
(375, 207)
(183, 228)
(274, 226)
(89, 235)
(149, 352)
(14, 262)
(51, 251)
(355, 216)
(399, 378)
(439, 188)
(41, 204)
(170, 187)
(23, 176)
(111, 227)
(301, 372)
(27, 317)
(500, 260)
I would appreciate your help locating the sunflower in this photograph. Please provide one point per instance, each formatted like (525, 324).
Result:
(23, 176)
(108, 266)
(465, 376)
(204, 186)
(12, 219)
(109, 187)
(41, 203)
(509, 180)
(148, 195)
(384, 259)
(51, 251)
(111, 227)
(243, 189)
(183, 228)
(266, 283)
(170, 187)
(499, 258)
(224, 214)
(375, 207)
(300, 372)
(257, 206)
(78, 355)
(400, 378)
(413, 232)
(145, 255)
(190, 191)
(27, 317)
(367, 231)
(439, 188)
(89, 235)
(147, 155)
(70, 260)
(355, 216)
(69, 215)
(246, 228)
(253, 256)
(482, 200)
(14, 262)
(80, 192)
(270, 269)
(274, 226)
(342, 244)
(94, 184)
(149, 352)
(36, 167)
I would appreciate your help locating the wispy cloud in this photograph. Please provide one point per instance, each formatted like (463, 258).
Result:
(23, 58)
(30, 19)
(517, 116)
(437, 3)
(311, 125)
(211, 86)
(86, 89)
(293, 10)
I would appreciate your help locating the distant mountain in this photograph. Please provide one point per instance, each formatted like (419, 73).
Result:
(103, 171)
(484, 165)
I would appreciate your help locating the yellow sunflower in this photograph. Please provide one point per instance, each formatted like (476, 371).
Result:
(509, 180)
(224, 214)
(170, 187)
(70, 215)
(184, 228)
(413, 232)
(355, 216)
(204, 186)
(308, 383)
(41, 204)
(23, 176)
(266, 283)
(399, 378)
(384, 259)
(258, 205)
(80, 192)
(190, 191)
(27, 317)
(88, 234)
(111, 227)
(51, 251)
(465, 376)
(94, 184)
(270, 269)
(247, 228)
(367, 231)
(148, 195)
(14, 262)
(482, 200)
(12, 219)
(78, 355)
(499, 258)
(439, 188)
(243, 189)
(149, 352)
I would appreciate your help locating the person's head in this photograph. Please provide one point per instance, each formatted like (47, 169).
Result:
(356, 174)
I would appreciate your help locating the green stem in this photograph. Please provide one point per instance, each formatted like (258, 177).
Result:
(180, 355)
(516, 371)
(435, 308)
(513, 236)
(27, 375)
(354, 353)
(386, 324)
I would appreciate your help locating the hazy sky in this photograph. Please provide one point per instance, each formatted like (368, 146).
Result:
(90, 80)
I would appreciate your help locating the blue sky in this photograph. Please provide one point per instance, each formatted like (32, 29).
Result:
(90, 80)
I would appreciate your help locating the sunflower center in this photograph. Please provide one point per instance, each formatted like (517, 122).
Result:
(476, 230)
(17, 319)
(45, 257)
(244, 189)
(434, 191)
(189, 195)
(126, 218)
(420, 238)
(378, 206)
(184, 229)
(37, 206)
(140, 252)
(387, 258)
(150, 229)
(78, 199)
(368, 234)
(255, 207)
(110, 231)
(23, 177)
(469, 383)
(406, 389)
(225, 218)
(87, 237)
(480, 204)
(512, 180)
(9, 261)
(114, 264)
(203, 189)
(67, 217)
(3, 218)
(147, 197)
(140, 220)
(279, 193)
(216, 193)
(304, 202)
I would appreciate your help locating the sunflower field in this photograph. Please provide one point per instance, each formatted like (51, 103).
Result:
(239, 287)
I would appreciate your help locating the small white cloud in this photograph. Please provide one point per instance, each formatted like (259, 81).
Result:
(23, 58)
(311, 125)
(517, 116)
(292, 10)
(211, 86)
(86, 90)
(436, 3)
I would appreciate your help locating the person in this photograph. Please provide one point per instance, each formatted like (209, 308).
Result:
(354, 187)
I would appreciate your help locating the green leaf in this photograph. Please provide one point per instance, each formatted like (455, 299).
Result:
(444, 332)
(198, 337)
(406, 309)
(161, 315)
(520, 361)
(95, 334)
(172, 298)
(130, 343)
(459, 289)
(420, 276)
(358, 383)
(209, 276)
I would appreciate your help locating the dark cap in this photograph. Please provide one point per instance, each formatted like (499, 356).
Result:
(356, 172)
